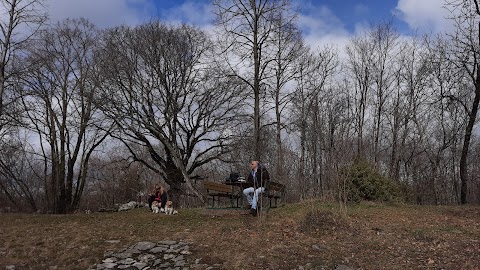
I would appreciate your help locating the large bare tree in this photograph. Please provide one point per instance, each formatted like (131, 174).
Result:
(248, 27)
(165, 95)
(59, 91)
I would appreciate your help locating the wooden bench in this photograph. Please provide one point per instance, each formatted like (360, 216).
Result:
(219, 190)
(275, 192)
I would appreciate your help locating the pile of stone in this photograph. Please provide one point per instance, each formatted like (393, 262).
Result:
(128, 206)
(122, 207)
(148, 255)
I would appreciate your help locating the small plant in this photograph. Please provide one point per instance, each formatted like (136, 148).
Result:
(364, 182)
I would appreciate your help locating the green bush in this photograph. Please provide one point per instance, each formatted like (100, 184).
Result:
(364, 182)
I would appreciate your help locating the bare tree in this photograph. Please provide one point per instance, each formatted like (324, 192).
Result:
(412, 74)
(19, 21)
(165, 95)
(448, 116)
(466, 56)
(288, 46)
(359, 65)
(384, 38)
(62, 82)
(248, 27)
(18, 182)
(315, 73)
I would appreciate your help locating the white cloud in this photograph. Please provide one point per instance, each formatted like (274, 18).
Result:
(102, 13)
(425, 15)
(191, 12)
(321, 27)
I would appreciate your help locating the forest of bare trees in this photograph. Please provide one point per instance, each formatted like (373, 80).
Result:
(91, 117)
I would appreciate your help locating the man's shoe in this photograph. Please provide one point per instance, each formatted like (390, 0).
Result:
(253, 212)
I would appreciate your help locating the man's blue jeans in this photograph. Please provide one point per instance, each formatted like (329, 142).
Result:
(252, 200)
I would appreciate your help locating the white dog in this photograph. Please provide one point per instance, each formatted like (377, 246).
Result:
(169, 209)
(155, 208)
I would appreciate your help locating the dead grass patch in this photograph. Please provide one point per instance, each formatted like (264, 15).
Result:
(323, 221)
(371, 237)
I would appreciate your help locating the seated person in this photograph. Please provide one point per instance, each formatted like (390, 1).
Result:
(258, 178)
(158, 194)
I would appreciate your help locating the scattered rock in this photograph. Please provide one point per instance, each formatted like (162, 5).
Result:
(148, 256)
(169, 255)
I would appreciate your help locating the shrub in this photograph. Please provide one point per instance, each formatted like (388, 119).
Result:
(365, 182)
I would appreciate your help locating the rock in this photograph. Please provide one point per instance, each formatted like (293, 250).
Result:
(168, 243)
(168, 256)
(140, 265)
(180, 263)
(142, 246)
(123, 255)
(147, 257)
(112, 241)
(158, 249)
(127, 206)
(10, 267)
(165, 265)
(178, 258)
(129, 261)
(107, 265)
(343, 267)
(319, 247)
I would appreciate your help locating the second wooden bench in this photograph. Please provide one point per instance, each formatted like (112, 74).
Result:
(219, 190)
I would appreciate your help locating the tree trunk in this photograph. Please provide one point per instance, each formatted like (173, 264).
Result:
(256, 91)
(278, 139)
(466, 144)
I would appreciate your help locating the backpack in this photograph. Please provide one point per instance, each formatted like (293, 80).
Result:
(233, 177)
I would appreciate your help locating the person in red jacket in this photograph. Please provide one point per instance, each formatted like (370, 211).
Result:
(158, 194)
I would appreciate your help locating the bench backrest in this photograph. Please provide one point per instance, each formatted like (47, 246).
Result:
(276, 186)
(218, 187)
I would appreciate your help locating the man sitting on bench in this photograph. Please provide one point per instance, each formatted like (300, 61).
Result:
(258, 178)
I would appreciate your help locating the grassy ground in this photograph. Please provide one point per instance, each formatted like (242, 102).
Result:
(371, 237)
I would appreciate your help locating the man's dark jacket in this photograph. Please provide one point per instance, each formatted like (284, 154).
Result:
(262, 178)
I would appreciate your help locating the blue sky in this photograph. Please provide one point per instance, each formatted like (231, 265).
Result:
(322, 21)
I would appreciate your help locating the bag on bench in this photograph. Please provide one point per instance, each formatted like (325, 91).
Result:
(233, 178)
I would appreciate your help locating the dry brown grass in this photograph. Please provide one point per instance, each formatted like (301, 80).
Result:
(371, 237)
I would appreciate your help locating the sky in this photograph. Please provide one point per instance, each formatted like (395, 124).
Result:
(322, 21)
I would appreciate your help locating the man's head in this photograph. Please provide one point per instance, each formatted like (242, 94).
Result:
(254, 164)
